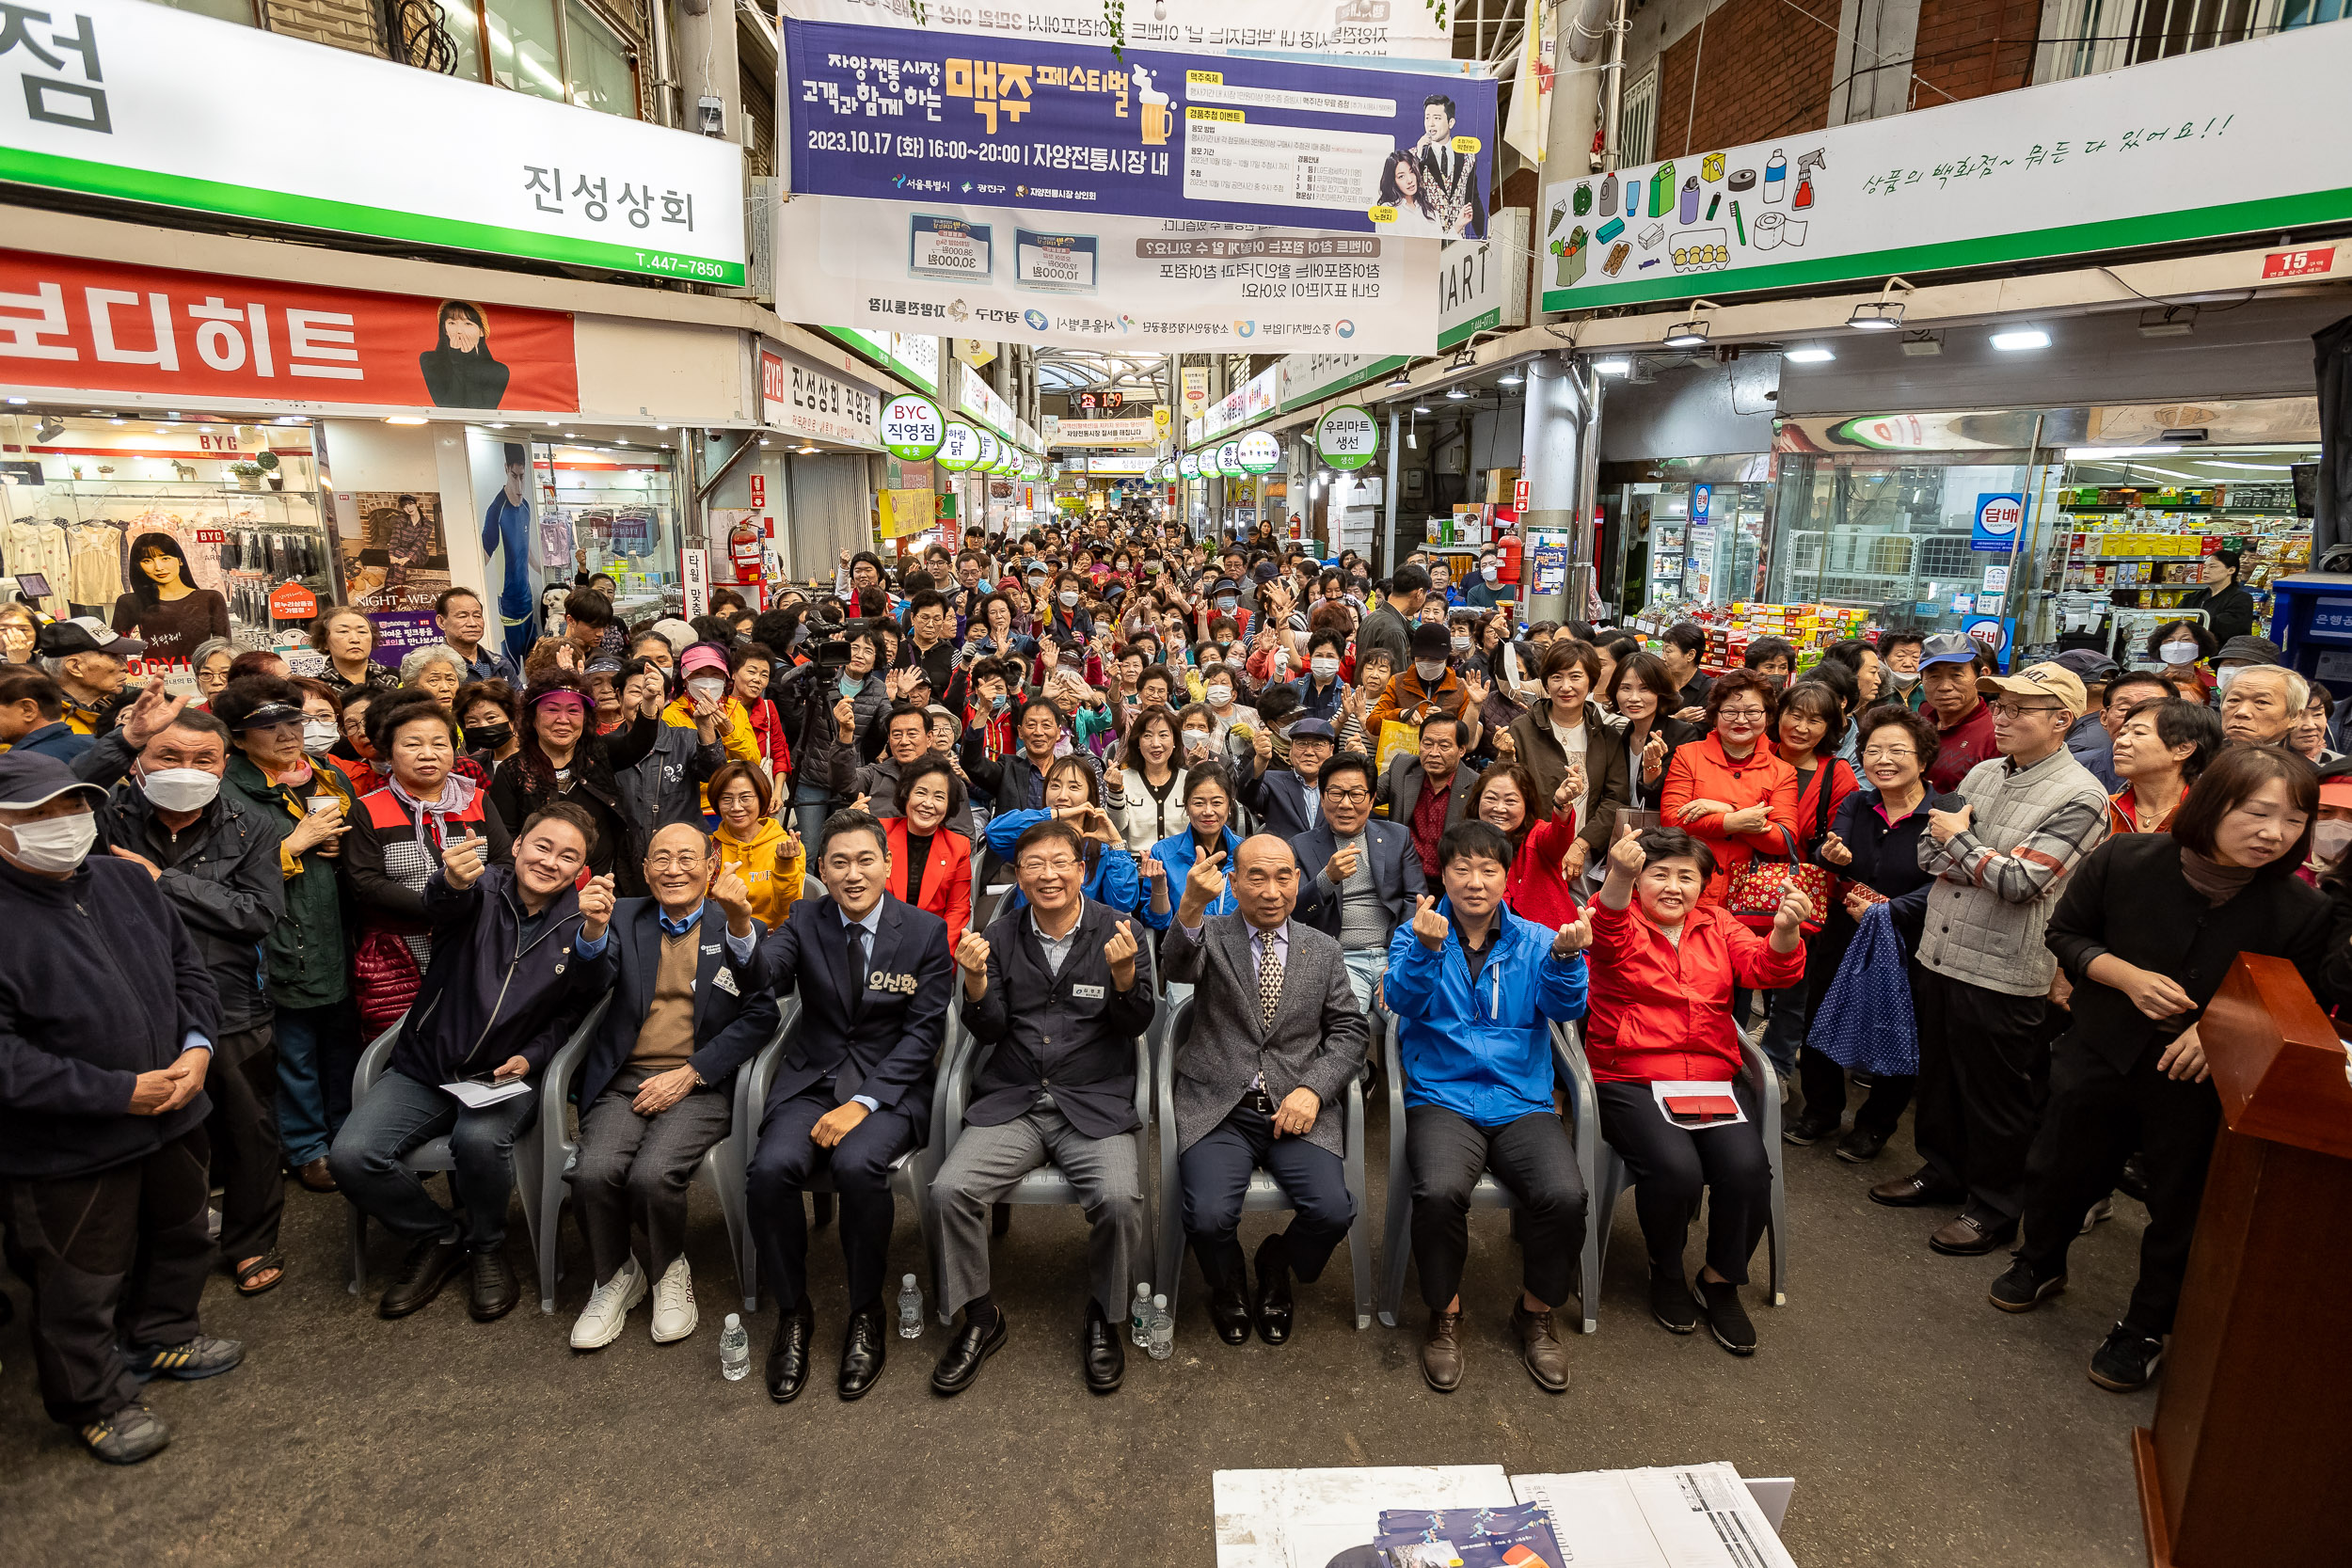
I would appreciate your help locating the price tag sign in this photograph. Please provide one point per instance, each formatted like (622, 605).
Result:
(1348, 437)
(911, 428)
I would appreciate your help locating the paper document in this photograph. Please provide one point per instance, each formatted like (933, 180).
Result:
(1676, 1516)
(476, 1096)
(1695, 1106)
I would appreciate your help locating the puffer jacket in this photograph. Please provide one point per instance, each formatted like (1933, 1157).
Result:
(770, 862)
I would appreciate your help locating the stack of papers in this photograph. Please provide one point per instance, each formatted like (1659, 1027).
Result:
(1668, 1516)
(474, 1095)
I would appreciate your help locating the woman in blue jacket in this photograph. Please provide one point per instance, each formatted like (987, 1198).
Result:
(1209, 807)
(1073, 790)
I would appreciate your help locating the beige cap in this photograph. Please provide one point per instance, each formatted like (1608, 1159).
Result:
(2040, 680)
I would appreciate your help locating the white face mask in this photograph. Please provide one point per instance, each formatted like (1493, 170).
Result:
(1490, 572)
(180, 789)
(58, 844)
(1217, 696)
(2179, 652)
(1461, 645)
(1196, 741)
(711, 689)
(2330, 839)
(319, 736)
(1069, 597)
(1430, 673)
(1324, 666)
(1906, 679)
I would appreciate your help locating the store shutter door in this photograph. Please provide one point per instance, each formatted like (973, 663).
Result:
(831, 504)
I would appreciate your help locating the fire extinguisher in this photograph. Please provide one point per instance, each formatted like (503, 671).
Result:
(743, 549)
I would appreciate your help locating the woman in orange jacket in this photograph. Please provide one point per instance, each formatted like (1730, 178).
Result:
(1730, 790)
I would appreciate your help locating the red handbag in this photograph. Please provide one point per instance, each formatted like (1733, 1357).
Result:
(386, 977)
(1760, 884)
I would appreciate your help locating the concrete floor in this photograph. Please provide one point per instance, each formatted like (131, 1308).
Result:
(1922, 1427)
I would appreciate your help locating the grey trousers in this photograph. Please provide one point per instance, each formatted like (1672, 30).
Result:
(986, 1163)
(634, 1171)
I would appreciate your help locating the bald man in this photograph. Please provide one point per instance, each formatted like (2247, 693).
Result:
(657, 1088)
(1260, 1077)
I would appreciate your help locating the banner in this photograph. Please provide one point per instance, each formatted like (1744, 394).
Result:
(2199, 145)
(1143, 431)
(102, 327)
(799, 396)
(185, 105)
(1398, 29)
(891, 114)
(395, 561)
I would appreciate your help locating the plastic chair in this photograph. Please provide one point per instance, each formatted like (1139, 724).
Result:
(1567, 1063)
(721, 1167)
(529, 1157)
(1264, 1191)
(910, 1174)
(1757, 1068)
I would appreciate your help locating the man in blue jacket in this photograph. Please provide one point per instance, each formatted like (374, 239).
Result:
(107, 1015)
(1475, 989)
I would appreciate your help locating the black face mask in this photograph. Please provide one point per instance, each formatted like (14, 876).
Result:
(489, 737)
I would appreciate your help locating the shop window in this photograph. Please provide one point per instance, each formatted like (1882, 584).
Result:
(438, 35)
(1889, 536)
(2083, 37)
(2307, 13)
(603, 75)
(526, 49)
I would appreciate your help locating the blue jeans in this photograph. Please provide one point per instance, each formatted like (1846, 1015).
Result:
(318, 1050)
(1366, 968)
(812, 805)
(398, 1115)
(1787, 1015)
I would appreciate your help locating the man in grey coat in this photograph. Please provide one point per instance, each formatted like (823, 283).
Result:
(1390, 625)
(1275, 1034)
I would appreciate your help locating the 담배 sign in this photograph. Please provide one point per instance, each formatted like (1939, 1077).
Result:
(911, 427)
(1259, 452)
(2000, 520)
(958, 447)
(1348, 437)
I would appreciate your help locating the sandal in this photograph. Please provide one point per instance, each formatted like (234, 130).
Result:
(272, 1262)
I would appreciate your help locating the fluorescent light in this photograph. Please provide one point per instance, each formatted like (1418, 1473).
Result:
(402, 418)
(2021, 337)
(1613, 367)
(2096, 454)
(19, 402)
(1883, 315)
(2251, 467)
(1812, 353)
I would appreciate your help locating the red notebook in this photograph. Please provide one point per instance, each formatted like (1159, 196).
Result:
(1703, 1107)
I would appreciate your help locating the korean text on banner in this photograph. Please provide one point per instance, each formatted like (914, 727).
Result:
(926, 116)
(1398, 28)
(2195, 146)
(355, 145)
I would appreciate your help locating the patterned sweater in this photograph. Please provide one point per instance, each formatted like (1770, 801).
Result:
(1997, 880)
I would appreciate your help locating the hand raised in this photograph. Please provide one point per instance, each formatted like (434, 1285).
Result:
(461, 861)
(1429, 926)
(972, 953)
(1834, 852)
(1120, 953)
(151, 714)
(1204, 885)
(1573, 937)
(729, 892)
(1342, 863)
(1626, 857)
(1795, 910)
(595, 905)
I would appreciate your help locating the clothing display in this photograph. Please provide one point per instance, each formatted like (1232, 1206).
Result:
(43, 548)
(274, 553)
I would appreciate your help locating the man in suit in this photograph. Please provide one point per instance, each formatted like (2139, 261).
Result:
(1422, 807)
(853, 1093)
(656, 1086)
(1358, 878)
(1454, 175)
(1285, 799)
(1275, 1037)
(1056, 989)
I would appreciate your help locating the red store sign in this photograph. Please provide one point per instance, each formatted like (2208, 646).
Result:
(2312, 262)
(98, 327)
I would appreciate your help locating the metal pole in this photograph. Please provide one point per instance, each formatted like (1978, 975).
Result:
(1612, 100)
(1395, 431)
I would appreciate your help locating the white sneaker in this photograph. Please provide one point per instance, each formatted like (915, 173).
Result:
(674, 1314)
(599, 1322)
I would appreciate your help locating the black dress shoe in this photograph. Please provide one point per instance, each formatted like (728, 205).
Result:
(422, 1274)
(960, 1363)
(1229, 1309)
(1101, 1351)
(1860, 1146)
(1272, 1307)
(787, 1355)
(1809, 1130)
(494, 1293)
(862, 1349)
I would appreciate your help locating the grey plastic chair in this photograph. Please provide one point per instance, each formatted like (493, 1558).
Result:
(1613, 1178)
(721, 1167)
(1569, 1071)
(910, 1175)
(1264, 1191)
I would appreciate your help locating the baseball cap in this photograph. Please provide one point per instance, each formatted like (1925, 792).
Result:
(603, 664)
(2040, 680)
(1949, 647)
(85, 634)
(2335, 784)
(29, 779)
(1313, 729)
(2247, 650)
(676, 633)
(2088, 663)
(703, 655)
(1225, 585)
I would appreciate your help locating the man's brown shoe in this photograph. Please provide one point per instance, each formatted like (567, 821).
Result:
(1918, 1189)
(1441, 1352)
(315, 1176)
(1541, 1349)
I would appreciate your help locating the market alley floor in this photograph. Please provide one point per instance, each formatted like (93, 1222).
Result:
(1922, 1426)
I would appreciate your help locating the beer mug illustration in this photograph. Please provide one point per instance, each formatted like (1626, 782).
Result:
(1157, 113)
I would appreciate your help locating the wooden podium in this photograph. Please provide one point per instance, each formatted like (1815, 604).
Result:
(2253, 1427)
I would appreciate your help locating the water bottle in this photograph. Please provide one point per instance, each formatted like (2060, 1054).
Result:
(1163, 1340)
(909, 1309)
(735, 1350)
(1139, 1318)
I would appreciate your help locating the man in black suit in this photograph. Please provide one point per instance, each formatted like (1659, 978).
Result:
(1284, 797)
(852, 1094)
(1056, 989)
(1359, 878)
(1422, 808)
(656, 1086)
(1452, 177)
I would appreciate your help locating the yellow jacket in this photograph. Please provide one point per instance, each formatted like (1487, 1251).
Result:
(736, 735)
(770, 864)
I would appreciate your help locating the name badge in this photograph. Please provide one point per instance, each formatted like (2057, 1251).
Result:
(881, 980)
(711, 949)
(1089, 993)
(724, 980)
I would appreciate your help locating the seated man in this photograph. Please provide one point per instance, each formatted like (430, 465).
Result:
(1275, 1037)
(1474, 989)
(1055, 987)
(656, 1088)
(1284, 797)
(1428, 793)
(1359, 878)
(853, 1095)
(504, 990)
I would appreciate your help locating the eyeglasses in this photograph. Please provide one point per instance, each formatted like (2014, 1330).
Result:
(1347, 797)
(2011, 710)
(1748, 715)
(1061, 867)
(675, 860)
(1890, 753)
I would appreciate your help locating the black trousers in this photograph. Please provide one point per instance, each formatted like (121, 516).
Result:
(116, 1257)
(781, 1169)
(2098, 1118)
(1824, 1084)
(1672, 1166)
(247, 1159)
(1534, 1157)
(1983, 1065)
(1216, 1175)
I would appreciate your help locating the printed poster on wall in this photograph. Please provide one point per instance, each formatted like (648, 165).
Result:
(395, 563)
(1397, 29)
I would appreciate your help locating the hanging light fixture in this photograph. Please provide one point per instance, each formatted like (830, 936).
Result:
(1511, 378)
(1882, 314)
(1692, 333)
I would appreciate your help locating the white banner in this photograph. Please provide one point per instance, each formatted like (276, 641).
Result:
(2218, 142)
(1404, 29)
(1160, 285)
(1144, 431)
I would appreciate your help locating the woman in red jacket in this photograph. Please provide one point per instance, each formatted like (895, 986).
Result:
(930, 866)
(1730, 790)
(1663, 963)
(1505, 796)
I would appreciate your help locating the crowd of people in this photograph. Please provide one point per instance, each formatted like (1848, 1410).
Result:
(1041, 792)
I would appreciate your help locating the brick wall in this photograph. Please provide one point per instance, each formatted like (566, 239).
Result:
(350, 25)
(1764, 71)
(1969, 48)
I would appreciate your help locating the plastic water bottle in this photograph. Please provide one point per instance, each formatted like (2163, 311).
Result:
(1139, 1317)
(1163, 1340)
(910, 1309)
(735, 1350)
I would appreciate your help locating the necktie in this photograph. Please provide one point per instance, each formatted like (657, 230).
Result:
(1269, 978)
(853, 968)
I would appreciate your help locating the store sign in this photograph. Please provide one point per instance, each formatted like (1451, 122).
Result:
(991, 449)
(99, 327)
(1993, 634)
(1229, 460)
(185, 105)
(2000, 519)
(1141, 431)
(1482, 284)
(1393, 28)
(976, 397)
(796, 395)
(2198, 146)
(1347, 436)
(2311, 261)
(1196, 379)
(1122, 464)
(1259, 452)
(695, 576)
(959, 449)
(290, 601)
(1190, 465)
(911, 427)
(915, 359)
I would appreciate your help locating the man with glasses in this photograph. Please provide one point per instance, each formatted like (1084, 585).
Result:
(1056, 989)
(1357, 877)
(2000, 861)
